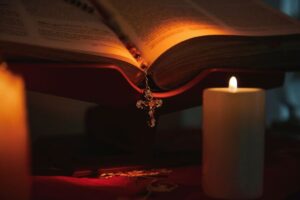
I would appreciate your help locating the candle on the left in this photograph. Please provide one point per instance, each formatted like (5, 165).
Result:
(14, 153)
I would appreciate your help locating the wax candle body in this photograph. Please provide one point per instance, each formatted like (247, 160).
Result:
(233, 142)
(14, 165)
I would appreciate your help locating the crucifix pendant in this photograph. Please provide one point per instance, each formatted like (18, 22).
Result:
(150, 104)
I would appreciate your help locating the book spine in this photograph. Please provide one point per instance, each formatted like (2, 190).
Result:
(148, 102)
(132, 48)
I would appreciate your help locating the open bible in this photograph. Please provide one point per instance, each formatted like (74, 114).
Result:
(173, 40)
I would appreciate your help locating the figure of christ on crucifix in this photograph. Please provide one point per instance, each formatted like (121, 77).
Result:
(149, 104)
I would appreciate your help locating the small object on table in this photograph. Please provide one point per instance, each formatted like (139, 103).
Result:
(137, 173)
(233, 142)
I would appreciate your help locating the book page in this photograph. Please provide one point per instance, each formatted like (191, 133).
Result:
(248, 17)
(59, 25)
(156, 26)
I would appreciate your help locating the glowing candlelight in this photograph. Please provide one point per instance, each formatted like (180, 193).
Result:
(14, 162)
(233, 141)
(233, 84)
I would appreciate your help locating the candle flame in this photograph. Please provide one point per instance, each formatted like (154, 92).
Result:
(233, 84)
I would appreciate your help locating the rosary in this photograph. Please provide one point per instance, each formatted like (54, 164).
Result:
(149, 103)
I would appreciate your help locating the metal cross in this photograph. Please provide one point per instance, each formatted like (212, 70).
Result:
(150, 104)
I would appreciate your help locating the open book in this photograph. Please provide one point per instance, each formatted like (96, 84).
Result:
(173, 40)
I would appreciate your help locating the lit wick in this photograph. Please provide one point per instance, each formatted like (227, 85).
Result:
(232, 84)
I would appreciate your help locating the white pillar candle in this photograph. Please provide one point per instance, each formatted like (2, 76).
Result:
(14, 162)
(233, 142)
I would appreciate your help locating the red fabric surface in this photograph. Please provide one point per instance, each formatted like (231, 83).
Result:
(62, 187)
(281, 181)
(59, 187)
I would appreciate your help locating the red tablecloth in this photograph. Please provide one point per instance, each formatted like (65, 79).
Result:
(282, 180)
